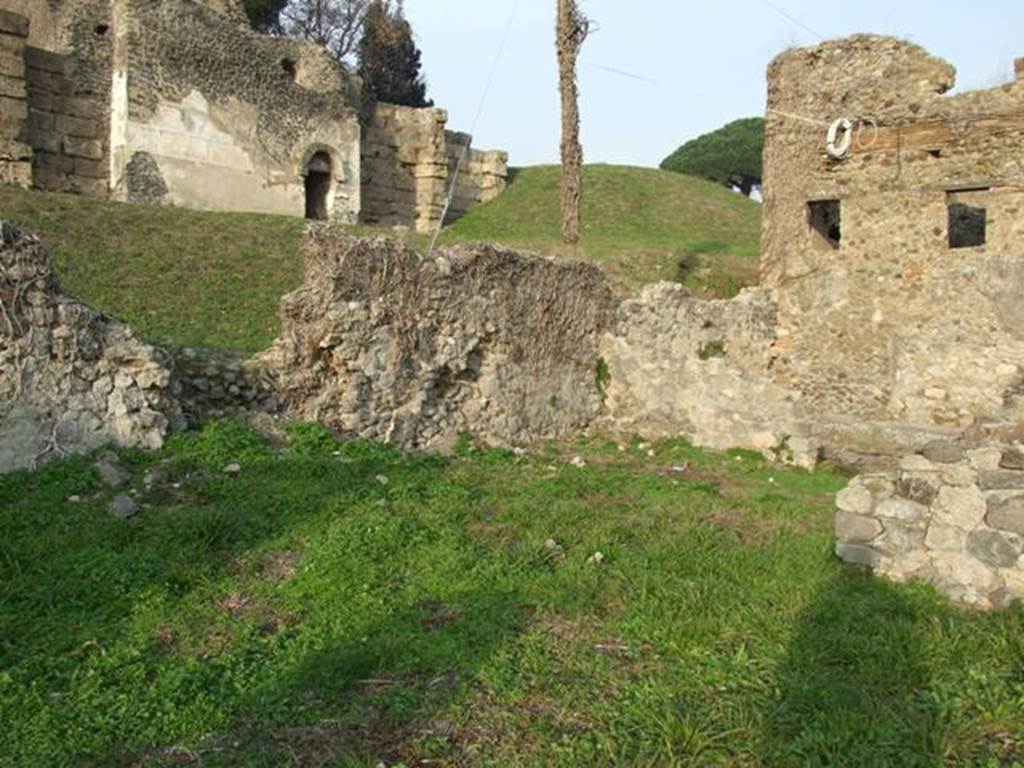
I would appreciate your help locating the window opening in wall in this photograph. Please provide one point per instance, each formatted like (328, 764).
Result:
(318, 184)
(102, 29)
(288, 65)
(968, 219)
(825, 217)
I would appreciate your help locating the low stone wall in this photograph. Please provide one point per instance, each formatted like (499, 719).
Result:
(71, 379)
(482, 175)
(388, 345)
(15, 154)
(67, 130)
(950, 516)
(212, 384)
(679, 366)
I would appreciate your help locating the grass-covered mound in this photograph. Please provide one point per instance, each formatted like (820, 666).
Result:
(340, 604)
(638, 223)
(187, 277)
(216, 279)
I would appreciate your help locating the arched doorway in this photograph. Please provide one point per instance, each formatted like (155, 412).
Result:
(318, 185)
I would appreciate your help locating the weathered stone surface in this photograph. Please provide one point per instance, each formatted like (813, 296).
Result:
(1012, 458)
(995, 548)
(1006, 514)
(918, 489)
(943, 452)
(664, 382)
(945, 538)
(111, 472)
(902, 537)
(961, 507)
(856, 529)
(855, 499)
(68, 373)
(385, 344)
(123, 506)
(858, 554)
(985, 459)
(918, 464)
(1005, 480)
(902, 510)
(960, 475)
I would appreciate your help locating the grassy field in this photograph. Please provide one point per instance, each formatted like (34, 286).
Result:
(638, 223)
(343, 605)
(215, 280)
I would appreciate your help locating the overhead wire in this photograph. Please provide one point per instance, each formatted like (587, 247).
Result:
(476, 120)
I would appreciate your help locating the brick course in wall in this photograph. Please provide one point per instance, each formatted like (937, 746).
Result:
(68, 131)
(408, 161)
(15, 154)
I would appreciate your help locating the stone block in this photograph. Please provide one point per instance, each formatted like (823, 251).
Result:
(943, 452)
(13, 111)
(1006, 514)
(46, 61)
(80, 106)
(91, 169)
(902, 510)
(11, 64)
(13, 24)
(47, 141)
(15, 174)
(858, 554)
(945, 538)
(858, 529)
(995, 548)
(79, 127)
(985, 459)
(917, 463)
(960, 475)
(41, 121)
(54, 162)
(919, 489)
(1001, 480)
(963, 508)
(902, 538)
(1012, 458)
(12, 87)
(89, 149)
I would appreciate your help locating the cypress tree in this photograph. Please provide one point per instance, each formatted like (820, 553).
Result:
(390, 63)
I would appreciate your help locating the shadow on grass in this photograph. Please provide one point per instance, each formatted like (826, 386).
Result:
(855, 681)
(376, 696)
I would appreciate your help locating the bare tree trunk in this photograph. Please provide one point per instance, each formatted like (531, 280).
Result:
(572, 31)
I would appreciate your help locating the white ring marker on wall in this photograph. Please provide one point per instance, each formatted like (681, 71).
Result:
(839, 146)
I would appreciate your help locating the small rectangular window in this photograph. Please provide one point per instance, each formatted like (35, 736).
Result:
(825, 217)
(968, 219)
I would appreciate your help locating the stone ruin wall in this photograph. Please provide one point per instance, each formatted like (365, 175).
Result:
(893, 329)
(894, 325)
(71, 379)
(216, 117)
(951, 515)
(15, 153)
(679, 366)
(178, 101)
(408, 161)
(386, 344)
(482, 175)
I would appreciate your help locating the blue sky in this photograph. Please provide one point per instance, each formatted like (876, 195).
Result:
(707, 61)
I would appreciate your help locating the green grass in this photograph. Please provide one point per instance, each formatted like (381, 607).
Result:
(342, 604)
(187, 277)
(639, 224)
(215, 279)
